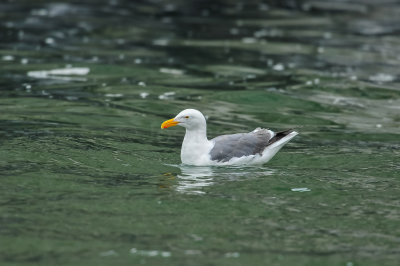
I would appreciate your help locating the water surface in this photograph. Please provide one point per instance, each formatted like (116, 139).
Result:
(88, 177)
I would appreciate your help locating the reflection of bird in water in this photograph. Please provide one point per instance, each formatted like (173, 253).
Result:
(256, 147)
(193, 180)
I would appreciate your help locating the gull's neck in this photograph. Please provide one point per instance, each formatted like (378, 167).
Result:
(196, 147)
(197, 135)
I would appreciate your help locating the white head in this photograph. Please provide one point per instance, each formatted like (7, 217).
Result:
(190, 119)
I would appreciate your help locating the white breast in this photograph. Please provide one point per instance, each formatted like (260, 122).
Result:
(196, 149)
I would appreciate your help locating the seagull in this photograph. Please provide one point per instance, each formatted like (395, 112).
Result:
(255, 147)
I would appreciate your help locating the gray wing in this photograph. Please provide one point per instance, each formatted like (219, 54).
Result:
(227, 147)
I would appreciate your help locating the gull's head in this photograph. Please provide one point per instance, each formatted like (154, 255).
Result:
(189, 119)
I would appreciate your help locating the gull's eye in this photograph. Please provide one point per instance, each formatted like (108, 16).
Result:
(187, 117)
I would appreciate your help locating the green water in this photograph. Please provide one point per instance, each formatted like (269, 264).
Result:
(88, 177)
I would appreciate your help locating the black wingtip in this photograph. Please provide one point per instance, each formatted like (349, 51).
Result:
(280, 135)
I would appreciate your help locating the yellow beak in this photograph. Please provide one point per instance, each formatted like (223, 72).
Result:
(169, 123)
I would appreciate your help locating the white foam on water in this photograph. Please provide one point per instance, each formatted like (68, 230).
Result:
(167, 95)
(300, 189)
(7, 58)
(61, 73)
(382, 77)
(150, 253)
(114, 95)
(278, 67)
(172, 71)
(144, 95)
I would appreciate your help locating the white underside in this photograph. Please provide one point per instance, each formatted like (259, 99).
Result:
(199, 153)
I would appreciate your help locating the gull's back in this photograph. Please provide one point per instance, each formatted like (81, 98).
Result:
(238, 145)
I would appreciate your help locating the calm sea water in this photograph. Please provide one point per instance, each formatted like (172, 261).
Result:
(88, 177)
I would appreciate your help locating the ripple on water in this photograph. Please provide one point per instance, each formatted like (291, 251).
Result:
(82, 144)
